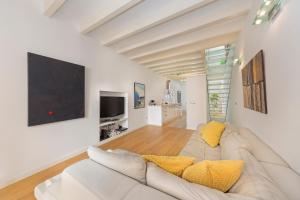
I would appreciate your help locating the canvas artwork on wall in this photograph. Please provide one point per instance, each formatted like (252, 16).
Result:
(254, 85)
(139, 95)
(56, 90)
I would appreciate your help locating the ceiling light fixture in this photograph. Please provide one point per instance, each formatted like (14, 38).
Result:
(267, 2)
(262, 13)
(258, 21)
(267, 11)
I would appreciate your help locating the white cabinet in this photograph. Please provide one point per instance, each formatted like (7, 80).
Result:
(196, 97)
(155, 115)
(160, 114)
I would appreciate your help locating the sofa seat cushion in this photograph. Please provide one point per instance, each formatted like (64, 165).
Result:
(197, 148)
(129, 164)
(92, 179)
(142, 192)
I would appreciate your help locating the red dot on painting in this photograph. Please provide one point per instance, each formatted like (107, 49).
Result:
(50, 113)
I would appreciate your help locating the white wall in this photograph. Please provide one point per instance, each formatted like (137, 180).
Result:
(280, 41)
(24, 150)
(196, 98)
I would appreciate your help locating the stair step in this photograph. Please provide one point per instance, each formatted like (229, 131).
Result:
(219, 62)
(217, 113)
(213, 84)
(218, 92)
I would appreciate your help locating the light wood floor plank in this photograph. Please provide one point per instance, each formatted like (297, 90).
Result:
(147, 140)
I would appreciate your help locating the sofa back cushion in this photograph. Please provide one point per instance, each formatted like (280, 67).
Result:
(259, 149)
(286, 178)
(128, 164)
(230, 143)
(254, 181)
(197, 148)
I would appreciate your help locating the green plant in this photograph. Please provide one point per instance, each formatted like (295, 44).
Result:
(214, 99)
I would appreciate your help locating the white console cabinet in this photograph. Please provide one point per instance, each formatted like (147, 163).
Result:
(161, 114)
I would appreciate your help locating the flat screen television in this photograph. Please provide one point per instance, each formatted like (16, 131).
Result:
(111, 106)
(56, 90)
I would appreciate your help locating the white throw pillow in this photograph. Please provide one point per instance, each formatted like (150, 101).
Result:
(129, 164)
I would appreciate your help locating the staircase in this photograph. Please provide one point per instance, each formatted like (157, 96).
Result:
(219, 63)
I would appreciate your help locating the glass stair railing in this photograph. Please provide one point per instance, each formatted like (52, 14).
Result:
(219, 63)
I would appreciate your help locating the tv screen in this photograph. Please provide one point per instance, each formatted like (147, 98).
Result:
(56, 90)
(111, 106)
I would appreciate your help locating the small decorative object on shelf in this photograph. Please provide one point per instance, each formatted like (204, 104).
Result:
(152, 103)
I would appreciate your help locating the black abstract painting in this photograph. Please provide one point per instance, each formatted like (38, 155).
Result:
(56, 90)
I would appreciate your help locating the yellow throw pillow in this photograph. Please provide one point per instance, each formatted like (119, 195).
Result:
(220, 175)
(212, 132)
(173, 164)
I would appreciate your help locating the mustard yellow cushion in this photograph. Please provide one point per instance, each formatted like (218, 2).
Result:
(212, 132)
(173, 164)
(220, 175)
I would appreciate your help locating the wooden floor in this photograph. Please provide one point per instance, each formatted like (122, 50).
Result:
(147, 140)
(178, 122)
(152, 140)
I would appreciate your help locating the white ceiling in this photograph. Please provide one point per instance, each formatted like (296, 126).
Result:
(167, 36)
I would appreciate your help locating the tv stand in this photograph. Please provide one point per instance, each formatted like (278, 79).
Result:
(110, 122)
(107, 120)
(112, 128)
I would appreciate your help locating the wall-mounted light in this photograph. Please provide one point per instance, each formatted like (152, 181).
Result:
(267, 11)
(237, 61)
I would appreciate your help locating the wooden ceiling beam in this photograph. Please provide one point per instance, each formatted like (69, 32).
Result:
(52, 6)
(190, 48)
(198, 65)
(177, 64)
(184, 76)
(170, 15)
(110, 15)
(183, 71)
(183, 32)
(183, 58)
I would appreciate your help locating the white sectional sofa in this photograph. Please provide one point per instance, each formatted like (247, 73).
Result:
(123, 175)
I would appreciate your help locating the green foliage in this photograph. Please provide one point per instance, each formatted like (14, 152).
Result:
(214, 98)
